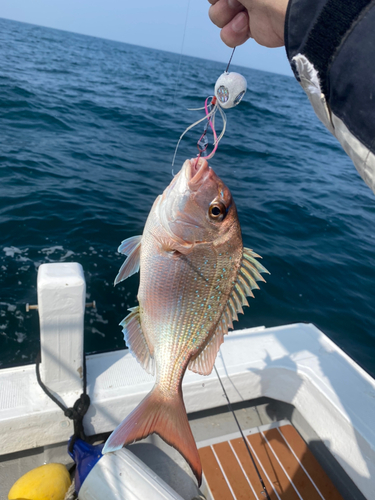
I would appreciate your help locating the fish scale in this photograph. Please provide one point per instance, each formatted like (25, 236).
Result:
(194, 278)
(183, 338)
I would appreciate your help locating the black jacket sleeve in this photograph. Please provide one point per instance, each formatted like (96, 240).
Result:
(331, 47)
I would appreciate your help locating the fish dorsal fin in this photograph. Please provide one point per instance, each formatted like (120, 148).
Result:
(204, 363)
(136, 340)
(132, 248)
(248, 275)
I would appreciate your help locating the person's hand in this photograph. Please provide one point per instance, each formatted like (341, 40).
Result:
(262, 20)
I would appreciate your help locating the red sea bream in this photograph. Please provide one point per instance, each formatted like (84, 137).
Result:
(194, 278)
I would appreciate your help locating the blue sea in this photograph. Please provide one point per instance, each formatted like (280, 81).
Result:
(88, 129)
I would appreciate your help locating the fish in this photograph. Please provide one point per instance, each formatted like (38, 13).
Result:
(195, 275)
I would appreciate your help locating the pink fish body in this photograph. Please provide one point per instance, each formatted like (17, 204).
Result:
(194, 278)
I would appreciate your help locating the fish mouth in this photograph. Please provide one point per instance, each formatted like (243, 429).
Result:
(197, 171)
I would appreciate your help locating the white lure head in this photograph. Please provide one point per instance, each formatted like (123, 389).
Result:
(230, 89)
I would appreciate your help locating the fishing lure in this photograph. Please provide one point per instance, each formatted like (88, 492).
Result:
(229, 91)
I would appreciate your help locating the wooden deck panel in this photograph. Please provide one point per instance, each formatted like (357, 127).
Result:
(288, 468)
(272, 468)
(291, 466)
(214, 476)
(241, 486)
(242, 453)
(309, 462)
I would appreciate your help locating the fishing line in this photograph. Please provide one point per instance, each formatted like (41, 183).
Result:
(229, 91)
(181, 51)
(179, 64)
(243, 437)
(230, 60)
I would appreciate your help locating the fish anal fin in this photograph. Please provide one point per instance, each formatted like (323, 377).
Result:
(137, 342)
(131, 265)
(165, 417)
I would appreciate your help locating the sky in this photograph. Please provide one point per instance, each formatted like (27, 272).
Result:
(173, 25)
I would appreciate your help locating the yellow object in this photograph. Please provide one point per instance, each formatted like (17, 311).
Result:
(48, 482)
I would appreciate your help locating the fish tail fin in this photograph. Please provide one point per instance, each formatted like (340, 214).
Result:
(164, 416)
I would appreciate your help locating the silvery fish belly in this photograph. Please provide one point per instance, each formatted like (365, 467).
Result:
(195, 275)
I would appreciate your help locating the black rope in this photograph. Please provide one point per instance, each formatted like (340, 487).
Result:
(243, 437)
(77, 411)
(84, 375)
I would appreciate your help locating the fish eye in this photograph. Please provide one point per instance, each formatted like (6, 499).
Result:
(217, 211)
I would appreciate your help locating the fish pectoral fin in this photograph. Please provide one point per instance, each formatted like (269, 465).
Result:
(137, 342)
(204, 362)
(171, 245)
(165, 417)
(128, 245)
(131, 265)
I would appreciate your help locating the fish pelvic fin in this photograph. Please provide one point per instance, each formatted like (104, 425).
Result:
(164, 416)
(128, 245)
(132, 248)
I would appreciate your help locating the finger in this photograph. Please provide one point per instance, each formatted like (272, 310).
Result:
(237, 31)
(223, 11)
(212, 2)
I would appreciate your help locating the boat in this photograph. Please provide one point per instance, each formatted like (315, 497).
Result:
(305, 408)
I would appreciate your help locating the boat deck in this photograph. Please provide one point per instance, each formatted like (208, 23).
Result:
(287, 466)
